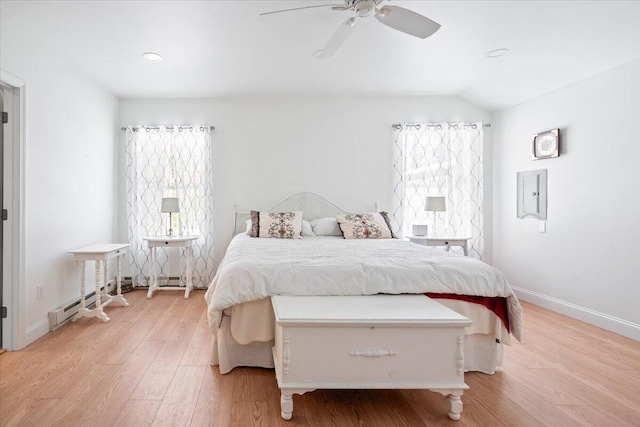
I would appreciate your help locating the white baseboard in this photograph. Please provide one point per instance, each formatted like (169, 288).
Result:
(604, 321)
(36, 331)
(41, 328)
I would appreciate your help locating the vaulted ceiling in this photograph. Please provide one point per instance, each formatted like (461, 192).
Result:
(222, 48)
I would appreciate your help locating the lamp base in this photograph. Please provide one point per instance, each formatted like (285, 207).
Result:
(170, 232)
(433, 230)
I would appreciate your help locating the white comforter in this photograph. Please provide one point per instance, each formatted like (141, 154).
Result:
(254, 268)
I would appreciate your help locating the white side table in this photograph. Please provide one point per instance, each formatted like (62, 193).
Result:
(185, 242)
(100, 253)
(441, 241)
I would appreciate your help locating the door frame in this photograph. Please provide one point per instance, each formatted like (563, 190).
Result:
(14, 190)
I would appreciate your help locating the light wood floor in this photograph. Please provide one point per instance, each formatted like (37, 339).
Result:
(148, 366)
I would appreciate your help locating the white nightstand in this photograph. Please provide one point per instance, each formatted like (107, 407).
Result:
(185, 242)
(441, 241)
(100, 254)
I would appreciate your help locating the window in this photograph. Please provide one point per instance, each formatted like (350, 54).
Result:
(440, 159)
(170, 161)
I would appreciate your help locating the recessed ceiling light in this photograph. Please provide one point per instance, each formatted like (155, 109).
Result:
(496, 52)
(152, 56)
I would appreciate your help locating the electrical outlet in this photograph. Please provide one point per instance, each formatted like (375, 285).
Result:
(40, 291)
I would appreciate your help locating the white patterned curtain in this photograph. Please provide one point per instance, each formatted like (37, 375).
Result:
(170, 161)
(440, 159)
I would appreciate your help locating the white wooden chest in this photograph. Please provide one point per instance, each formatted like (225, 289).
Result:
(377, 341)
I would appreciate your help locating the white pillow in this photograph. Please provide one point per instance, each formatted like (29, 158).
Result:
(307, 231)
(326, 227)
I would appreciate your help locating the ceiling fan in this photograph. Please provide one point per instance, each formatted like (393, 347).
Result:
(396, 17)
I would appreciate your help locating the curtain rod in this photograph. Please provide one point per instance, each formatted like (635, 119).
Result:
(148, 128)
(398, 126)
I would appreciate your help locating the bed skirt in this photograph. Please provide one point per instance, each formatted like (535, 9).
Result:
(227, 353)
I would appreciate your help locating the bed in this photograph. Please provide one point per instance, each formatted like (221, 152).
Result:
(242, 321)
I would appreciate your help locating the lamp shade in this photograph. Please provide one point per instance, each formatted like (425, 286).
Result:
(435, 204)
(170, 204)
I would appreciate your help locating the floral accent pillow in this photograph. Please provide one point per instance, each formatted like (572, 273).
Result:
(365, 226)
(307, 230)
(276, 225)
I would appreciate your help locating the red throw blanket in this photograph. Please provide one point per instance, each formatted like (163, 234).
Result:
(496, 304)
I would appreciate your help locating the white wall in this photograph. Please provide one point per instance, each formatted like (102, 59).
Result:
(71, 182)
(268, 148)
(587, 265)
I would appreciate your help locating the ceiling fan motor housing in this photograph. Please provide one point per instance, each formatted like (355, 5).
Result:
(363, 8)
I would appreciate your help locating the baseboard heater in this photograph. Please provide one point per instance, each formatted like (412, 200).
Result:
(162, 281)
(62, 314)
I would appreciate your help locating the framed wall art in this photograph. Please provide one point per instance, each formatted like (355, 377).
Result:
(546, 144)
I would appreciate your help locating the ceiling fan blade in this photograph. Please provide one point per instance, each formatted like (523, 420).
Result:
(301, 8)
(341, 34)
(407, 21)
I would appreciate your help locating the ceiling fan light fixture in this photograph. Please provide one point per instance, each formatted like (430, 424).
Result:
(152, 56)
(383, 12)
(496, 53)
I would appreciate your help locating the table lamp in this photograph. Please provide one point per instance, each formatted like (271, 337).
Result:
(170, 205)
(435, 204)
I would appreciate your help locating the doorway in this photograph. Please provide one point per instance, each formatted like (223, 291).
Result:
(12, 179)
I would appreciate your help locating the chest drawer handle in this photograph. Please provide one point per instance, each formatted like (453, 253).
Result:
(373, 353)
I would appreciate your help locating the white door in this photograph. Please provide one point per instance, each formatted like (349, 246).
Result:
(3, 313)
